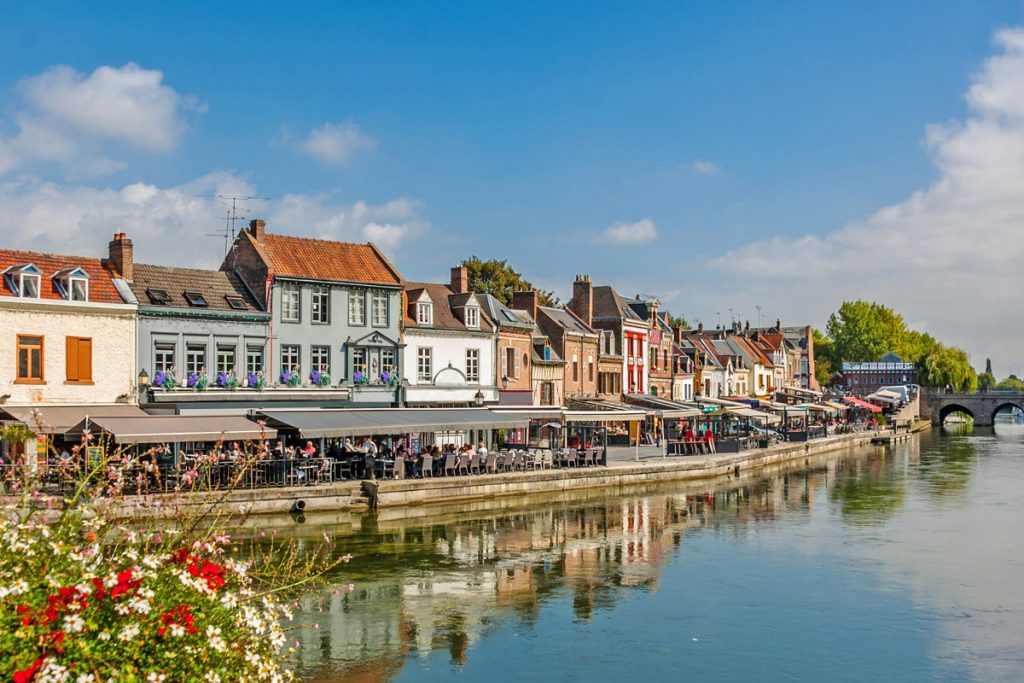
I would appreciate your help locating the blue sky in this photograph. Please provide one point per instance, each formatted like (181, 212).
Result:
(719, 136)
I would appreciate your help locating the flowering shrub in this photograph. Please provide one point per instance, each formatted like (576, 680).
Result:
(291, 378)
(227, 380)
(86, 598)
(256, 380)
(390, 378)
(197, 380)
(320, 379)
(359, 378)
(165, 379)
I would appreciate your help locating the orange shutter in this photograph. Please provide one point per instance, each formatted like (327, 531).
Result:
(71, 356)
(85, 360)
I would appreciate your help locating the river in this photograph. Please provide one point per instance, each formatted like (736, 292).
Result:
(903, 563)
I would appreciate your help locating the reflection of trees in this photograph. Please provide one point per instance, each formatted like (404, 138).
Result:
(868, 491)
(946, 467)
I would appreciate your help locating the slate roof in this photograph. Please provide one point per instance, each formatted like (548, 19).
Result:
(445, 302)
(101, 284)
(314, 259)
(565, 318)
(502, 315)
(609, 305)
(214, 285)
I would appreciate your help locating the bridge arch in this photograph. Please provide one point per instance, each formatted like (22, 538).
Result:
(951, 408)
(1006, 404)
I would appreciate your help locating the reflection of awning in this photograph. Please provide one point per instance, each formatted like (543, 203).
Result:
(854, 401)
(754, 414)
(173, 428)
(365, 422)
(665, 407)
(59, 419)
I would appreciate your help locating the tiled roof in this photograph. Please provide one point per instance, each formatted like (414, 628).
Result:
(214, 285)
(444, 300)
(315, 259)
(101, 285)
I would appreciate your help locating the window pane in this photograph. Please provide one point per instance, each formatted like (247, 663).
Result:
(78, 290)
(357, 308)
(380, 309)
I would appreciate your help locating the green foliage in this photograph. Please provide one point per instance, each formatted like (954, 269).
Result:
(825, 364)
(1011, 382)
(675, 321)
(500, 280)
(986, 380)
(13, 434)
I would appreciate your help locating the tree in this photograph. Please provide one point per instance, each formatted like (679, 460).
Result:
(948, 366)
(677, 321)
(825, 363)
(865, 331)
(987, 380)
(1012, 382)
(500, 280)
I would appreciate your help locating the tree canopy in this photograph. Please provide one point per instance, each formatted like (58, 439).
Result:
(500, 280)
(866, 331)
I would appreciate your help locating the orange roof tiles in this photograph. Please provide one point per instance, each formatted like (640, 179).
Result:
(326, 260)
(101, 286)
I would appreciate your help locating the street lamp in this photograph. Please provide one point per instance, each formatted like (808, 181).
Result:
(143, 379)
(504, 382)
(479, 398)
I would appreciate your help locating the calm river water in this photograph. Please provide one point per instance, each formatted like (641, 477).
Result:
(897, 564)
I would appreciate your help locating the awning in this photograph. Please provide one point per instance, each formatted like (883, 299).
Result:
(529, 412)
(837, 406)
(59, 419)
(604, 416)
(821, 408)
(365, 422)
(754, 414)
(173, 428)
(854, 401)
(608, 405)
(666, 408)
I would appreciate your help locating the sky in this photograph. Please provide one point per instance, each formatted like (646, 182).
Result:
(746, 160)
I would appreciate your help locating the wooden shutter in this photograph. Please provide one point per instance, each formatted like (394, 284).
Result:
(71, 356)
(85, 360)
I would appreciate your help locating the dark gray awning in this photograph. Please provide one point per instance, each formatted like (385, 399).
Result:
(59, 419)
(174, 428)
(364, 422)
(665, 407)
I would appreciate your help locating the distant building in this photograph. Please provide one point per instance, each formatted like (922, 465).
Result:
(868, 377)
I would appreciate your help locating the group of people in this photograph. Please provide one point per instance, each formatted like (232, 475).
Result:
(416, 463)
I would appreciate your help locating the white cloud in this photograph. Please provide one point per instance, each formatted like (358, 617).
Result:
(178, 225)
(705, 167)
(948, 255)
(335, 143)
(630, 233)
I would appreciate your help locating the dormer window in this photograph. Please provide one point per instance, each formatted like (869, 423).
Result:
(195, 299)
(73, 284)
(29, 286)
(23, 281)
(424, 313)
(472, 316)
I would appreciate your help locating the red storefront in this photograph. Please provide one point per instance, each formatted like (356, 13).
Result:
(633, 378)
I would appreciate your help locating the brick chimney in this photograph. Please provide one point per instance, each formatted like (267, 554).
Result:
(460, 280)
(582, 303)
(122, 255)
(525, 301)
(258, 228)
(700, 327)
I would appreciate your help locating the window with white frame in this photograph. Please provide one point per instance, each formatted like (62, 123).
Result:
(253, 359)
(163, 357)
(425, 313)
(472, 365)
(290, 359)
(424, 364)
(320, 358)
(357, 308)
(225, 358)
(320, 309)
(387, 361)
(359, 362)
(472, 316)
(380, 309)
(29, 286)
(195, 358)
(291, 311)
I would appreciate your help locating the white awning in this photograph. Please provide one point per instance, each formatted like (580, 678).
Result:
(604, 416)
(365, 422)
(748, 412)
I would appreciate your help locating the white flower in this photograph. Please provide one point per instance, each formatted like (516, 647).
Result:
(216, 642)
(85, 678)
(73, 623)
(155, 677)
(104, 635)
(212, 677)
(128, 633)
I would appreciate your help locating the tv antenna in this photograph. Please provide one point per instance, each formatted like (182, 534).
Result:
(760, 317)
(234, 211)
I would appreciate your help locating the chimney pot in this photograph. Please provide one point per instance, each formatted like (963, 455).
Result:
(122, 255)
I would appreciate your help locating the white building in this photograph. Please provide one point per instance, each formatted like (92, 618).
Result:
(449, 342)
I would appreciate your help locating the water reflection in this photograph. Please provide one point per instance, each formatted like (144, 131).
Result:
(448, 578)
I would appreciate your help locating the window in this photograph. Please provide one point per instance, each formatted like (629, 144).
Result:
(380, 309)
(290, 357)
(547, 393)
(78, 359)
(195, 358)
(29, 286)
(225, 358)
(30, 359)
(321, 309)
(79, 289)
(359, 361)
(320, 358)
(236, 302)
(290, 302)
(590, 371)
(163, 357)
(195, 299)
(510, 362)
(424, 364)
(472, 316)
(253, 359)
(665, 357)
(356, 308)
(425, 313)
(575, 370)
(387, 361)
(472, 365)
(158, 297)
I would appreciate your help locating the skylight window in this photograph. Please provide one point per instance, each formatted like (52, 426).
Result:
(510, 315)
(236, 302)
(195, 299)
(158, 297)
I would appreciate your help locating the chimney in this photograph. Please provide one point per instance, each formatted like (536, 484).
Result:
(258, 228)
(778, 325)
(525, 301)
(652, 310)
(746, 326)
(460, 280)
(582, 303)
(122, 256)
(700, 327)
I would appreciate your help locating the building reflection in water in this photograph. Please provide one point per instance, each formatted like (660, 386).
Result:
(441, 582)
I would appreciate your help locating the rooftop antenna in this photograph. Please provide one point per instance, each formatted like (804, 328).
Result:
(760, 316)
(233, 212)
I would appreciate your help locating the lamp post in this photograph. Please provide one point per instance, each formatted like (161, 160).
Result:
(478, 400)
(143, 379)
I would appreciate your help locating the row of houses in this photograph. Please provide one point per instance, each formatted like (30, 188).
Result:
(289, 321)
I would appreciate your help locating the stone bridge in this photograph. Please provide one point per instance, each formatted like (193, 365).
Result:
(982, 407)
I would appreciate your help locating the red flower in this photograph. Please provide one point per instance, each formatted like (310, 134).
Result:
(125, 584)
(211, 572)
(26, 675)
